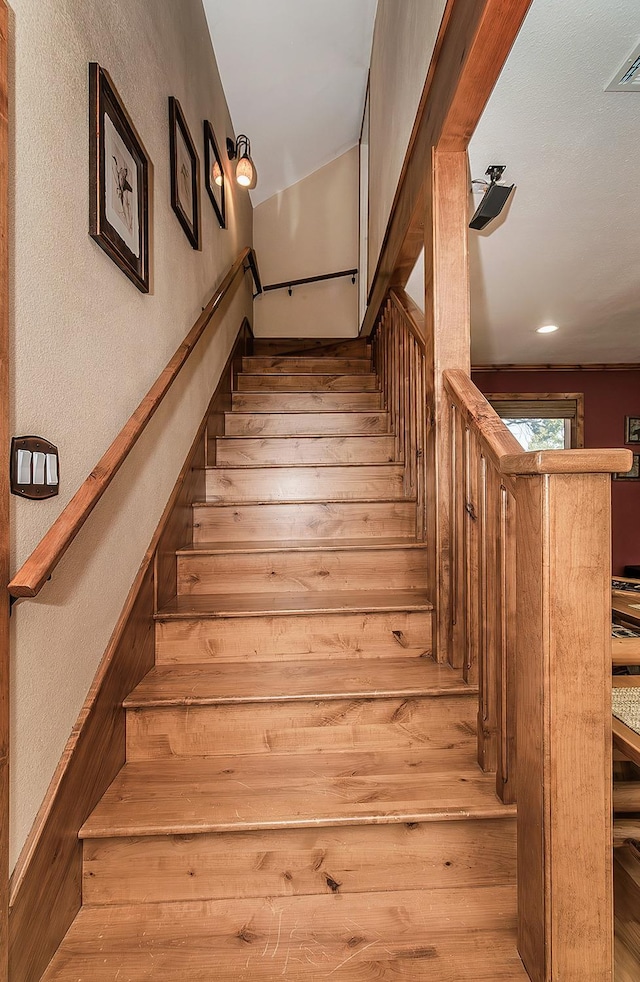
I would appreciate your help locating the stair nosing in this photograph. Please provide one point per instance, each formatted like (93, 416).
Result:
(295, 436)
(430, 691)
(214, 548)
(307, 412)
(304, 501)
(219, 610)
(296, 464)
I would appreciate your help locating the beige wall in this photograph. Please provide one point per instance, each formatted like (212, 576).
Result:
(309, 229)
(87, 344)
(403, 42)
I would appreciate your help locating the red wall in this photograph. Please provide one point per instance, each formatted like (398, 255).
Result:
(608, 398)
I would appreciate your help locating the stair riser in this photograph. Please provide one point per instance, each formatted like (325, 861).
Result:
(301, 402)
(335, 725)
(233, 523)
(305, 483)
(301, 364)
(306, 424)
(429, 856)
(307, 383)
(350, 347)
(304, 450)
(294, 638)
(295, 572)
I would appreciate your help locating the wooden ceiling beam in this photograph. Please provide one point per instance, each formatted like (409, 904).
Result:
(472, 46)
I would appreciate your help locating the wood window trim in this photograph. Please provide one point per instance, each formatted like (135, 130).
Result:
(577, 422)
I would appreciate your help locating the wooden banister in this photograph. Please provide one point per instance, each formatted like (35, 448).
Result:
(531, 547)
(501, 446)
(399, 358)
(37, 569)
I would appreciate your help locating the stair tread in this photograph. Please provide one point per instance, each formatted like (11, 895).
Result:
(357, 465)
(448, 935)
(307, 412)
(184, 796)
(212, 684)
(327, 375)
(221, 605)
(300, 545)
(305, 436)
(324, 501)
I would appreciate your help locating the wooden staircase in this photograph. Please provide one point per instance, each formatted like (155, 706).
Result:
(301, 797)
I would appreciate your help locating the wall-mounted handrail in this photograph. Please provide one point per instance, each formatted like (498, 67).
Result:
(37, 569)
(289, 284)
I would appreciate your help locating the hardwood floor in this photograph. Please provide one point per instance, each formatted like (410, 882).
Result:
(301, 797)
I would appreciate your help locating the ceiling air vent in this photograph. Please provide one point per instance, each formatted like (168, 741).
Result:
(627, 79)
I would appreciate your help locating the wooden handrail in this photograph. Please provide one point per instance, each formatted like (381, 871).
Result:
(411, 313)
(37, 569)
(505, 452)
(288, 284)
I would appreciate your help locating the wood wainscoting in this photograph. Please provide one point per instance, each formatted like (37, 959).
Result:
(46, 888)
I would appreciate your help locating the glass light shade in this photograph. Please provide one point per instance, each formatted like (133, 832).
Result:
(217, 174)
(246, 175)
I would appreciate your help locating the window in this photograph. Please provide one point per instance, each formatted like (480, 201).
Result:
(542, 421)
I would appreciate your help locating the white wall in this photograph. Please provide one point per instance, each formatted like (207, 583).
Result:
(87, 345)
(403, 41)
(309, 229)
(415, 283)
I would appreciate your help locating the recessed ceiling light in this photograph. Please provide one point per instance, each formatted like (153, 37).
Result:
(547, 329)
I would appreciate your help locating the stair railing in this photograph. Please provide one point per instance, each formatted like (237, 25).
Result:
(530, 610)
(38, 568)
(399, 358)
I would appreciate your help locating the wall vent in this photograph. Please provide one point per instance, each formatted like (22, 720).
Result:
(627, 79)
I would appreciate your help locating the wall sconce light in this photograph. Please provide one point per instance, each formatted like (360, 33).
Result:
(246, 173)
(495, 197)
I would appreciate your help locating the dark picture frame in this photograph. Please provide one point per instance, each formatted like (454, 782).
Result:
(118, 181)
(212, 157)
(185, 174)
(632, 429)
(633, 474)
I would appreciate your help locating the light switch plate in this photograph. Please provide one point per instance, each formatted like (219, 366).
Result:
(34, 468)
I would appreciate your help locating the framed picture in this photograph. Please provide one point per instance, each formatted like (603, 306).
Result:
(632, 429)
(185, 174)
(633, 474)
(118, 181)
(214, 179)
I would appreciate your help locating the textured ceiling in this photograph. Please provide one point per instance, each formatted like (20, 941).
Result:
(568, 249)
(295, 75)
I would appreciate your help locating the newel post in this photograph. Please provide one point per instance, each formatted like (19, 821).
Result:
(565, 916)
(447, 346)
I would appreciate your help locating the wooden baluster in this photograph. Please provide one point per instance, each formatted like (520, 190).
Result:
(506, 782)
(487, 738)
(457, 513)
(564, 726)
(413, 410)
(472, 556)
(404, 388)
(396, 383)
(421, 456)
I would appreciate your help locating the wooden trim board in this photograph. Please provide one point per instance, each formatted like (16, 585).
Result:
(46, 888)
(622, 367)
(4, 494)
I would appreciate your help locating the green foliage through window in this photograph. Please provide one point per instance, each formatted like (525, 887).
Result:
(538, 434)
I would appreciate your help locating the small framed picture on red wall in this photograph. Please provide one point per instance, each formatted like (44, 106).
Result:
(633, 474)
(632, 429)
